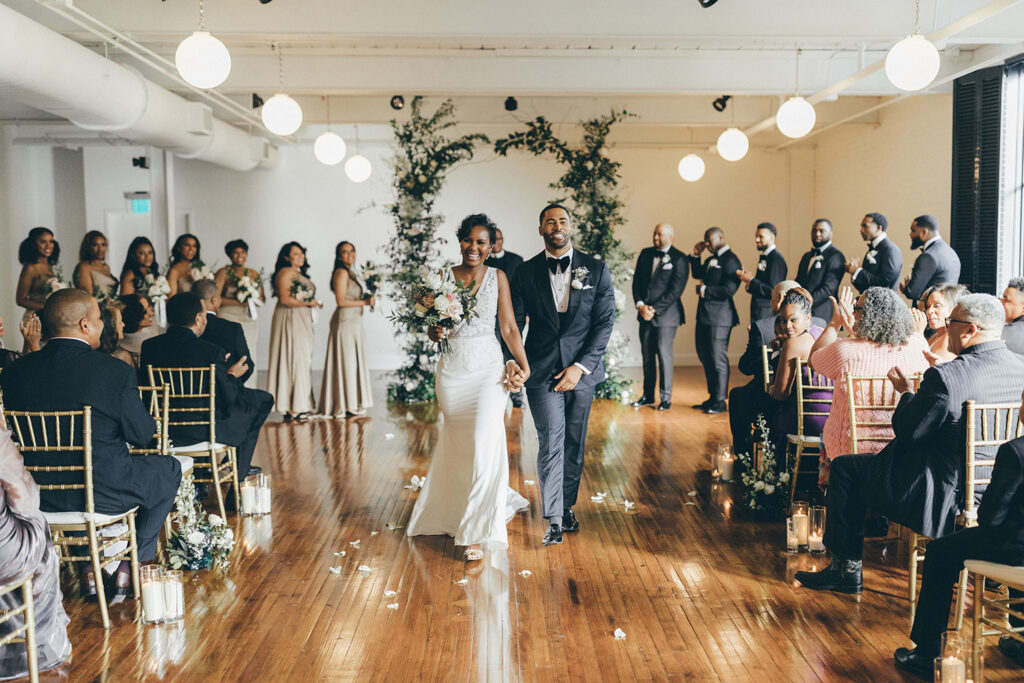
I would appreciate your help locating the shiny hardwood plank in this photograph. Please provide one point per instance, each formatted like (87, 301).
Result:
(702, 590)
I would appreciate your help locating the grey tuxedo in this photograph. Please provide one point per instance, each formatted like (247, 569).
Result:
(557, 341)
(659, 281)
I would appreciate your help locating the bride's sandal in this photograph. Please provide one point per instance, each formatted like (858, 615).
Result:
(474, 554)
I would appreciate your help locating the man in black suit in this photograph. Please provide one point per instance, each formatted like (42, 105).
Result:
(771, 270)
(569, 299)
(914, 480)
(1013, 304)
(658, 283)
(226, 334)
(69, 373)
(716, 313)
(937, 264)
(507, 262)
(883, 262)
(822, 269)
(999, 537)
(241, 412)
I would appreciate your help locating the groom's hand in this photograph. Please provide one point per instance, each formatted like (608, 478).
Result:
(568, 378)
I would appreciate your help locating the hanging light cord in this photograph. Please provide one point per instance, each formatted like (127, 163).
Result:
(327, 101)
(280, 65)
(202, 17)
(798, 51)
(917, 16)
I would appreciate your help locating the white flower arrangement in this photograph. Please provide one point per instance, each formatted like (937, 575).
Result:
(199, 542)
(578, 277)
(764, 484)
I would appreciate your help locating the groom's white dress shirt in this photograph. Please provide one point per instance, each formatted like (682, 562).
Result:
(560, 283)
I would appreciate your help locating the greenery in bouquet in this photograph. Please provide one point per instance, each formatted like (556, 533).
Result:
(441, 300)
(765, 483)
(249, 287)
(372, 278)
(302, 292)
(589, 185)
(200, 542)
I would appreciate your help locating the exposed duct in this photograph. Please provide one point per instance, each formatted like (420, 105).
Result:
(95, 93)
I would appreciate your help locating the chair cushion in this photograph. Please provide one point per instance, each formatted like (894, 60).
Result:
(186, 463)
(62, 518)
(796, 438)
(1003, 573)
(198, 447)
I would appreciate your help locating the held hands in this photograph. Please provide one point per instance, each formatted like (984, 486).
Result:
(568, 378)
(852, 265)
(899, 381)
(437, 333)
(239, 368)
(515, 376)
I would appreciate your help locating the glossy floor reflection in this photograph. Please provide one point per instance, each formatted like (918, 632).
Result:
(701, 590)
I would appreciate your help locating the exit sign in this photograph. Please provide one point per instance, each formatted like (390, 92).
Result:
(140, 206)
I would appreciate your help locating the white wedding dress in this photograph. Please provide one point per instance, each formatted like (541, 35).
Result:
(467, 494)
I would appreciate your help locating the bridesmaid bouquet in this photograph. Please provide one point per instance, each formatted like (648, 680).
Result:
(200, 271)
(372, 277)
(305, 294)
(248, 290)
(440, 301)
(55, 282)
(156, 288)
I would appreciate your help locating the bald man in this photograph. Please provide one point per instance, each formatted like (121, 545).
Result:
(69, 373)
(658, 284)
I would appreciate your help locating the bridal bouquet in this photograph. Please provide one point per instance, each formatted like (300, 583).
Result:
(249, 289)
(55, 282)
(200, 541)
(200, 271)
(441, 300)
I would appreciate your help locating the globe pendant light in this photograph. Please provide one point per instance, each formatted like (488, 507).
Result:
(202, 60)
(912, 63)
(281, 114)
(733, 144)
(796, 116)
(691, 168)
(358, 167)
(329, 148)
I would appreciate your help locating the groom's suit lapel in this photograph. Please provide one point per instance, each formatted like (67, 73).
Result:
(543, 284)
(574, 294)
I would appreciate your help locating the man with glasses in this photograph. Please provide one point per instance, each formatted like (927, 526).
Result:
(914, 479)
(883, 262)
(1013, 304)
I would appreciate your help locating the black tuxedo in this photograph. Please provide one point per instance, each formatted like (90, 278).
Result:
(65, 375)
(508, 264)
(881, 267)
(916, 479)
(771, 270)
(241, 412)
(659, 281)
(229, 336)
(557, 341)
(937, 264)
(716, 316)
(820, 272)
(1013, 335)
(999, 537)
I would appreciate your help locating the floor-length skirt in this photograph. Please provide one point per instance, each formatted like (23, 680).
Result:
(346, 384)
(250, 328)
(467, 495)
(290, 373)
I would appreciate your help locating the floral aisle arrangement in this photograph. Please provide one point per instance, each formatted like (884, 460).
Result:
(425, 152)
(590, 186)
(765, 488)
(200, 541)
(441, 300)
(249, 289)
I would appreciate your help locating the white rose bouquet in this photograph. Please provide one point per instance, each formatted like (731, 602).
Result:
(156, 288)
(305, 294)
(249, 289)
(441, 300)
(200, 271)
(56, 281)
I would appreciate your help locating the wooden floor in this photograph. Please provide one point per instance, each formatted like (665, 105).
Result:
(701, 591)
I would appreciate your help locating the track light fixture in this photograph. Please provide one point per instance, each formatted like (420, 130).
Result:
(721, 102)
(511, 104)
(257, 101)
(397, 102)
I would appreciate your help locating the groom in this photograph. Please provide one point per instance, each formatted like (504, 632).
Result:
(569, 300)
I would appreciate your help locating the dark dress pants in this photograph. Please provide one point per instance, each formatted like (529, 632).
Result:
(943, 561)
(561, 421)
(713, 353)
(656, 344)
(743, 402)
(242, 428)
(846, 506)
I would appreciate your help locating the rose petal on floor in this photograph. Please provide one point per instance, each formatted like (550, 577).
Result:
(619, 634)
(390, 594)
(335, 570)
(461, 582)
(525, 573)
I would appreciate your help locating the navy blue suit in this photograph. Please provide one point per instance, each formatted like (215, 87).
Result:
(881, 267)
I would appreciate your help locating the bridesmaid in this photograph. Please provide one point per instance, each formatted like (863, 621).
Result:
(346, 385)
(291, 336)
(231, 308)
(92, 274)
(137, 314)
(38, 255)
(140, 262)
(184, 255)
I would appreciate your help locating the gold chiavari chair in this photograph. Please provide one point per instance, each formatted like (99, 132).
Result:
(988, 425)
(766, 367)
(867, 396)
(803, 442)
(157, 401)
(61, 437)
(26, 633)
(1003, 607)
(192, 402)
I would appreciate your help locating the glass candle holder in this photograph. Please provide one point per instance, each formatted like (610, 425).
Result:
(174, 595)
(950, 669)
(816, 530)
(716, 458)
(800, 512)
(791, 544)
(726, 464)
(152, 579)
(250, 498)
(263, 502)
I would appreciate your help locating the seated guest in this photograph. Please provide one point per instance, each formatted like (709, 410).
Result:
(31, 329)
(25, 548)
(939, 303)
(69, 373)
(137, 314)
(914, 479)
(226, 334)
(113, 334)
(1013, 304)
(881, 337)
(241, 412)
(999, 537)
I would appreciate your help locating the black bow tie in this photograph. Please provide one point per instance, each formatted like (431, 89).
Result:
(554, 263)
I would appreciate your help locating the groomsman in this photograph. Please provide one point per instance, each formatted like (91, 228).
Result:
(771, 270)
(822, 269)
(883, 262)
(507, 262)
(658, 283)
(937, 263)
(716, 313)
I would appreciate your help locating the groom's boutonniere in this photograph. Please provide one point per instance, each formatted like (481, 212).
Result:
(712, 263)
(578, 276)
(666, 262)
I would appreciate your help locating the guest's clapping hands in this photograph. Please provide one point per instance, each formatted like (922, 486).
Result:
(842, 310)
(437, 333)
(920, 321)
(32, 330)
(932, 358)
(899, 381)
(22, 492)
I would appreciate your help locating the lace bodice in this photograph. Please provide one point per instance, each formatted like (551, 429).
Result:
(474, 342)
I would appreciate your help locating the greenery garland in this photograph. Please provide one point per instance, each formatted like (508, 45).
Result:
(423, 156)
(590, 186)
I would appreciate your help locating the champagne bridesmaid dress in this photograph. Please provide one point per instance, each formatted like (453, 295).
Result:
(346, 385)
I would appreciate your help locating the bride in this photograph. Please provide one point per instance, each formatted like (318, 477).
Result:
(467, 494)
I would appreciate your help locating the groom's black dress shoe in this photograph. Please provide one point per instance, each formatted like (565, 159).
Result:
(664, 405)
(569, 522)
(702, 406)
(644, 401)
(715, 408)
(553, 536)
(915, 662)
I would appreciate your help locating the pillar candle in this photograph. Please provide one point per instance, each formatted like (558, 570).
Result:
(153, 600)
(802, 525)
